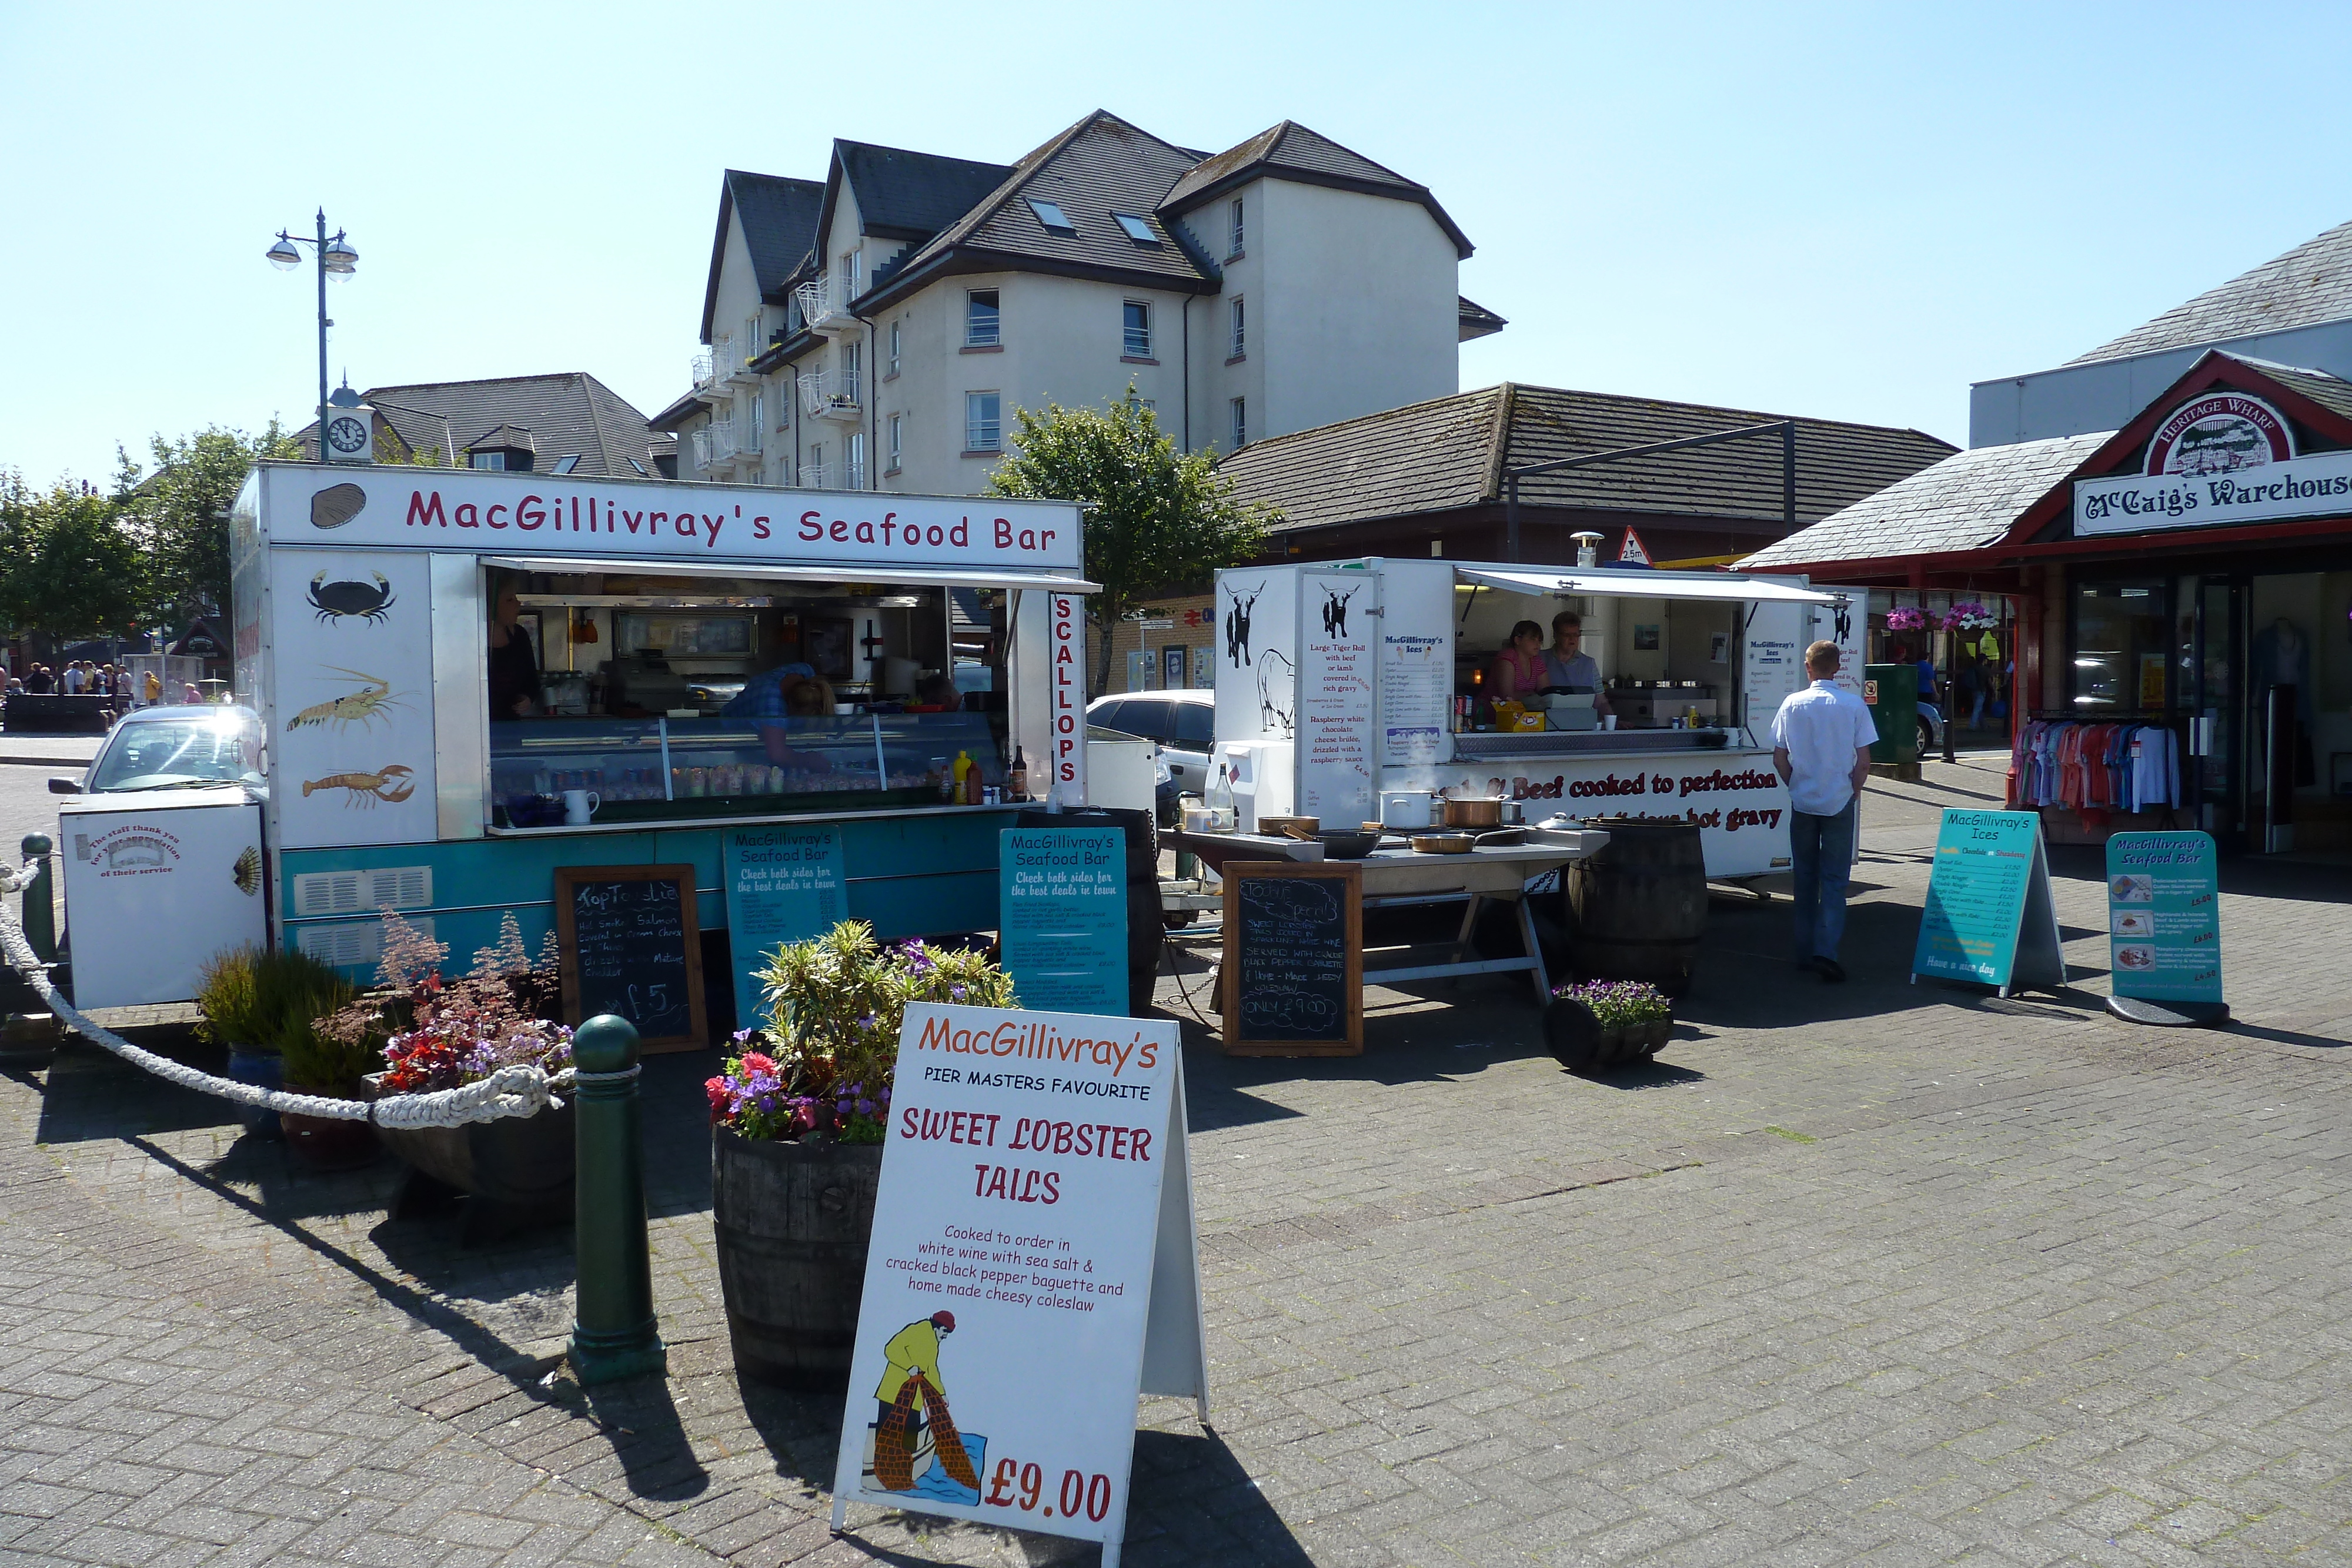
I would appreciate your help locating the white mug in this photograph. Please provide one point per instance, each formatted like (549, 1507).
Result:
(579, 805)
(1609, 721)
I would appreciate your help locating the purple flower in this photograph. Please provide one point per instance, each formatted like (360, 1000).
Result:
(956, 991)
(865, 1107)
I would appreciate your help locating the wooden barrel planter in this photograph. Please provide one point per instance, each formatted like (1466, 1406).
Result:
(792, 1221)
(1636, 910)
(1146, 916)
(327, 1142)
(514, 1172)
(1573, 1035)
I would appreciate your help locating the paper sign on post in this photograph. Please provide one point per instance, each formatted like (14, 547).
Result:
(1032, 1272)
(783, 884)
(1990, 917)
(1061, 901)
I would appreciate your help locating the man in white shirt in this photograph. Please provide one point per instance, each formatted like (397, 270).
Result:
(75, 680)
(1820, 744)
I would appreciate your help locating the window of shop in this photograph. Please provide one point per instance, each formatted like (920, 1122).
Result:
(2122, 637)
(750, 696)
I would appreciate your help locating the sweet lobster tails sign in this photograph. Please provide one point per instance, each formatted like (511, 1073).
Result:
(1032, 1272)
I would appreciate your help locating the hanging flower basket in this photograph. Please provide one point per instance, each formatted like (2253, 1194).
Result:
(1907, 618)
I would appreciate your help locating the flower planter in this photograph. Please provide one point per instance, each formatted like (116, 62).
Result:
(792, 1221)
(514, 1172)
(261, 1068)
(327, 1142)
(1576, 1037)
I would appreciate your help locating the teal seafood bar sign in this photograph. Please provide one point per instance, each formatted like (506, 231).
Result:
(2164, 916)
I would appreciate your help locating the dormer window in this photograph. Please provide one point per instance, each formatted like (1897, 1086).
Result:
(1137, 229)
(494, 462)
(1050, 213)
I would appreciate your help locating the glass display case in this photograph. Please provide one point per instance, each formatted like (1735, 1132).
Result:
(682, 769)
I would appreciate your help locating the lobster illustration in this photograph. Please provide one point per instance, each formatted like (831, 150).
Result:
(331, 600)
(361, 708)
(391, 783)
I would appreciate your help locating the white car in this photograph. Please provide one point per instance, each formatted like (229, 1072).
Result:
(1183, 722)
(196, 746)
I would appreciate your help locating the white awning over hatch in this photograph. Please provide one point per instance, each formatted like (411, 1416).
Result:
(1641, 585)
(912, 576)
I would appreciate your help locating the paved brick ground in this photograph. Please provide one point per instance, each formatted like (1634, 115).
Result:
(1875, 1274)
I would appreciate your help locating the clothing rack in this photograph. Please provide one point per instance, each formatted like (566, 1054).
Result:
(2108, 763)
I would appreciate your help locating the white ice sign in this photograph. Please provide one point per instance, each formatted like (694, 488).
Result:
(1032, 1272)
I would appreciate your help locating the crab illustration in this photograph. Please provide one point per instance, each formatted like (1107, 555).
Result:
(337, 599)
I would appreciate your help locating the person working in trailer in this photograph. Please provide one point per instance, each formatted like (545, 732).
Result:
(1517, 672)
(775, 700)
(1567, 666)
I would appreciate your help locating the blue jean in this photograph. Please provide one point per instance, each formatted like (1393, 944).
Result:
(1820, 852)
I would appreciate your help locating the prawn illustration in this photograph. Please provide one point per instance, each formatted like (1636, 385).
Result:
(367, 789)
(361, 708)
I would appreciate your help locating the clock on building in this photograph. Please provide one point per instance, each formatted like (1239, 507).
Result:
(347, 438)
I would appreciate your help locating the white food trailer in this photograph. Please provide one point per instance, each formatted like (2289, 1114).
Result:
(1337, 680)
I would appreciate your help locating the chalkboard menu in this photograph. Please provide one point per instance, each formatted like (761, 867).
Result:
(631, 947)
(1294, 959)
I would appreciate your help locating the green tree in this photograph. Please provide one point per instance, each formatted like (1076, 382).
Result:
(68, 566)
(1160, 520)
(180, 512)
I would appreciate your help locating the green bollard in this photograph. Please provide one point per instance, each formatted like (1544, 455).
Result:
(613, 1335)
(40, 916)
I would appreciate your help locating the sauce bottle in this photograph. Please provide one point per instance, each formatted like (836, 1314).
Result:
(1019, 781)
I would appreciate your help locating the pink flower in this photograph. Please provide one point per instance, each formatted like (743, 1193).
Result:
(716, 1088)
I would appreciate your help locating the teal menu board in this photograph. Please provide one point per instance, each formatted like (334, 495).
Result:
(2164, 916)
(1990, 918)
(1062, 917)
(783, 884)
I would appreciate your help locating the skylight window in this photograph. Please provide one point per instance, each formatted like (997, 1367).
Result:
(1139, 231)
(567, 463)
(1051, 215)
(640, 468)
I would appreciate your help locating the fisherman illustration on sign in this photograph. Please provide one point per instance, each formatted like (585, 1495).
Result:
(911, 1390)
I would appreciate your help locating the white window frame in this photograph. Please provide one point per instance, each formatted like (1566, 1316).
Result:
(894, 346)
(971, 328)
(897, 440)
(490, 462)
(1131, 345)
(1235, 228)
(853, 370)
(1241, 422)
(974, 426)
(853, 263)
(854, 462)
(1239, 317)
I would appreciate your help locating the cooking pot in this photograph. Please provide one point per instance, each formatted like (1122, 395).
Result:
(1474, 811)
(1405, 808)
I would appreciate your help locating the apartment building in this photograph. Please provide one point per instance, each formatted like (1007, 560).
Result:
(878, 329)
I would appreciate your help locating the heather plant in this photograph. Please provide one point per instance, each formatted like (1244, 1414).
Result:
(1616, 1004)
(830, 1028)
(437, 1034)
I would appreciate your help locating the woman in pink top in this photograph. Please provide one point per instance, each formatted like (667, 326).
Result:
(1517, 672)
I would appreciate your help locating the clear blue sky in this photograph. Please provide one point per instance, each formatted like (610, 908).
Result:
(1842, 211)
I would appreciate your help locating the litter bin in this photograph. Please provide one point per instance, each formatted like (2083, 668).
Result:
(1891, 693)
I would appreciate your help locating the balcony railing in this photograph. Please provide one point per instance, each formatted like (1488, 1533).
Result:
(702, 362)
(825, 303)
(813, 390)
(813, 475)
(715, 444)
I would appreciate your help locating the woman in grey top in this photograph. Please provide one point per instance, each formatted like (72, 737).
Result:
(1567, 664)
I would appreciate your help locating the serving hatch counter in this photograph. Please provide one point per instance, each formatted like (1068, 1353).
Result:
(930, 640)
(1343, 684)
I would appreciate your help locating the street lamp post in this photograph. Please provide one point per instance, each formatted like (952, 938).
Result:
(338, 260)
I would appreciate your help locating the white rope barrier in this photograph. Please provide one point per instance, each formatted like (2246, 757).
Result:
(515, 1090)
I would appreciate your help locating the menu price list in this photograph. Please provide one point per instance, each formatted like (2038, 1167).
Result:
(2164, 916)
(1976, 896)
(1294, 961)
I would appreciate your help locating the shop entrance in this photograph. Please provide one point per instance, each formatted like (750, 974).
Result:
(2212, 671)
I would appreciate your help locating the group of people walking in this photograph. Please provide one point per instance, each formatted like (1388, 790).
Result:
(83, 677)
